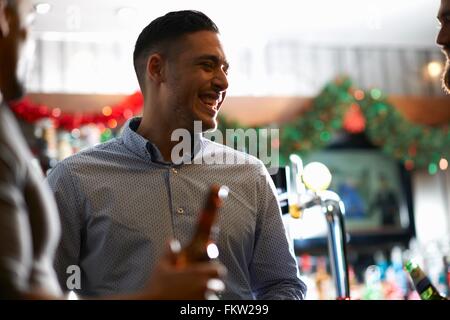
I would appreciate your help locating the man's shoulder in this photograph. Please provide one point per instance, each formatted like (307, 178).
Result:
(91, 155)
(96, 151)
(229, 154)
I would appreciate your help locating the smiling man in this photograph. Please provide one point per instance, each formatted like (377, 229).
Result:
(120, 200)
(443, 39)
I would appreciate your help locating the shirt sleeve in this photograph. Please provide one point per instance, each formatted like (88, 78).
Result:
(67, 199)
(15, 236)
(274, 270)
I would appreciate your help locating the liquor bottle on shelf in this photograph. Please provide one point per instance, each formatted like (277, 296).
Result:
(202, 247)
(422, 283)
(446, 274)
(399, 276)
(323, 280)
(373, 289)
(46, 144)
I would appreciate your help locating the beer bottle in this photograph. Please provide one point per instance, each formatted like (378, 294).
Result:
(201, 247)
(422, 283)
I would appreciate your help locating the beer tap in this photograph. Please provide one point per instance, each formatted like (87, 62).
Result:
(306, 188)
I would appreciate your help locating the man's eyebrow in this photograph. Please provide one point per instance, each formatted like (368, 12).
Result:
(214, 59)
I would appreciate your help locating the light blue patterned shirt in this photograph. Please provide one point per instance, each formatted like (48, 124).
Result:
(120, 202)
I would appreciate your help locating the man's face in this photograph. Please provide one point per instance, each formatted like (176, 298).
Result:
(15, 21)
(443, 39)
(196, 80)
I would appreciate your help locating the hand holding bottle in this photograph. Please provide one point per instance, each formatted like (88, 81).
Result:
(189, 273)
(193, 281)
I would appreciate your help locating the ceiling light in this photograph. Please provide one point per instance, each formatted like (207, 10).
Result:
(42, 8)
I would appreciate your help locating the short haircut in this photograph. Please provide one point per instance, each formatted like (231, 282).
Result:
(163, 31)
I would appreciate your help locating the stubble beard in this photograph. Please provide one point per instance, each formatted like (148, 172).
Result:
(446, 77)
(446, 74)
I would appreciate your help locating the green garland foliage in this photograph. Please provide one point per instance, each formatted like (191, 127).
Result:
(416, 146)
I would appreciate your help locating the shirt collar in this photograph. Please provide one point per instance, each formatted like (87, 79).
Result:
(149, 151)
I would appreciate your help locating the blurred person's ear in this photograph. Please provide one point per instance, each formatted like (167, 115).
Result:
(4, 25)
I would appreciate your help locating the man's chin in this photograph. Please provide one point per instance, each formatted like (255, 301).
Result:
(209, 126)
(208, 123)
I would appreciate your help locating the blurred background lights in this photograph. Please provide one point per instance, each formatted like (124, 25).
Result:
(76, 133)
(43, 8)
(112, 123)
(359, 94)
(107, 111)
(434, 69)
(443, 164)
(376, 94)
(432, 168)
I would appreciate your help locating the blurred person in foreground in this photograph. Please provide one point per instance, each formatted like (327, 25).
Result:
(29, 221)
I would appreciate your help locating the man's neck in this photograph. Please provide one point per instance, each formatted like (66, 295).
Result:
(161, 138)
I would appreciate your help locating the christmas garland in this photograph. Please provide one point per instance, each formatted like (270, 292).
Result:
(110, 117)
(341, 106)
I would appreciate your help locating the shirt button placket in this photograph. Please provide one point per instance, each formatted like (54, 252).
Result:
(179, 210)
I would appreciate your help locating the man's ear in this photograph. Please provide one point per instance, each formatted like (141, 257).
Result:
(4, 25)
(155, 68)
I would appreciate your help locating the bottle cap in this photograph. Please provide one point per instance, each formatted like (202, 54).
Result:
(411, 265)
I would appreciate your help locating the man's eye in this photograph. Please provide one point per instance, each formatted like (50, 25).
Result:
(207, 65)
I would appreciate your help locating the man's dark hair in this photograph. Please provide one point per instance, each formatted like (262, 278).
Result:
(163, 31)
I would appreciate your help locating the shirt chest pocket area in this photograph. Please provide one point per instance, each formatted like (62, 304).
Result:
(236, 225)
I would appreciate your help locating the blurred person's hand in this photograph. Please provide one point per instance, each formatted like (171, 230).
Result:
(174, 281)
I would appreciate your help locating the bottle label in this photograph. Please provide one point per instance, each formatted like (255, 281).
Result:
(423, 284)
(427, 294)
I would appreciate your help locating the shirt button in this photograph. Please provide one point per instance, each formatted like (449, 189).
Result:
(174, 170)
(180, 210)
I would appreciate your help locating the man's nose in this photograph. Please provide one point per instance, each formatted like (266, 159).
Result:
(221, 80)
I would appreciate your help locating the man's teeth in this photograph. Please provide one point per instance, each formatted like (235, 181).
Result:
(210, 102)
